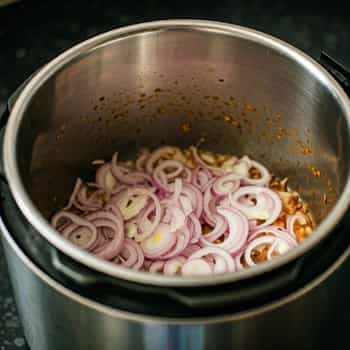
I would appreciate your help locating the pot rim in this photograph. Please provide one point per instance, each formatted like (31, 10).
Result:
(44, 228)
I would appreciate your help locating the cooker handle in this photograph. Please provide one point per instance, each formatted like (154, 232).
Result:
(233, 293)
(337, 70)
(86, 279)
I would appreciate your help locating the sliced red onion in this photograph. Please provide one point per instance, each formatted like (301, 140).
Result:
(165, 215)
(178, 218)
(242, 168)
(146, 226)
(220, 228)
(135, 254)
(129, 203)
(177, 188)
(182, 240)
(196, 267)
(215, 170)
(257, 243)
(72, 199)
(173, 266)
(215, 251)
(292, 219)
(186, 174)
(105, 219)
(268, 204)
(73, 221)
(100, 243)
(157, 267)
(195, 196)
(160, 181)
(190, 249)
(176, 168)
(201, 176)
(144, 220)
(104, 177)
(277, 244)
(62, 214)
(195, 228)
(238, 231)
(209, 205)
(159, 243)
(160, 153)
(220, 265)
(80, 232)
(147, 264)
(186, 205)
(277, 232)
(142, 159)
(226, 184)
(127, 176)
(128, 255)
(91, 202)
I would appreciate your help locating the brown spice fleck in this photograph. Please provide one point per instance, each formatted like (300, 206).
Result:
(315, 171)
(186, 127)
(306, 150)
(236, 123)
(249, 108)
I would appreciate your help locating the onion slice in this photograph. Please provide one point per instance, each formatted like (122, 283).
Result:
(173, 266)
(292, 219)
(156, 267)
(238, 231)
(160, 242)
(195, 267)
(226, 184)
(215, 251)
(215, 170)
(153, 214)
(267, 208)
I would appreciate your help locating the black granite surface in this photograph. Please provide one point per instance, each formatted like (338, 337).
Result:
(33, 32)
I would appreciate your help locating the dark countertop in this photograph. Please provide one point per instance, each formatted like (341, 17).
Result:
(33, 32)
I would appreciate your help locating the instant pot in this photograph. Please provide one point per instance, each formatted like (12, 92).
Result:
(237, 91)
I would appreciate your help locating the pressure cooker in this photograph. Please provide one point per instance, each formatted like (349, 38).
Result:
(136, 86)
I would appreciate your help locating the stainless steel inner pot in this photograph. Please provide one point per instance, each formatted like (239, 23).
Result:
(180, 82)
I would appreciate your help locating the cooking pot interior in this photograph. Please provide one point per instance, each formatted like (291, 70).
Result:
(224, 92)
